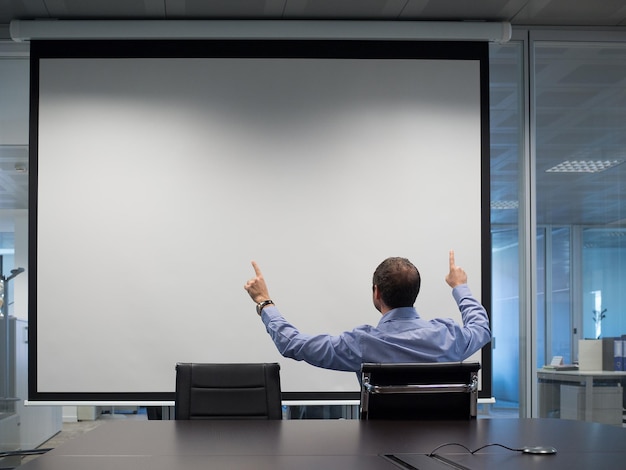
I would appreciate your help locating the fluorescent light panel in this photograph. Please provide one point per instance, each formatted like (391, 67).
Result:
(583, 166)
(504, 205)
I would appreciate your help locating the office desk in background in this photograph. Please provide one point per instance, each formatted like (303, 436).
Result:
(333, 444)
(579, 394)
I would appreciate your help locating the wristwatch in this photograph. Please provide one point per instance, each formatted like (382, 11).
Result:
(261, 305)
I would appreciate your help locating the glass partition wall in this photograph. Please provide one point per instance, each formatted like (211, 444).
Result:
(508, 180)
(558, 147)
(20, 426)
(579, 122)
(580, 125)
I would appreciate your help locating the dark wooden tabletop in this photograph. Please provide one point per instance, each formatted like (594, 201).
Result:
(324, 444)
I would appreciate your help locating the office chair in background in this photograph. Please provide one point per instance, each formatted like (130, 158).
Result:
(433, 391)
(228, 391)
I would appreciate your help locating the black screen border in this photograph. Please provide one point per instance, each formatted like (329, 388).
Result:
(234, 48)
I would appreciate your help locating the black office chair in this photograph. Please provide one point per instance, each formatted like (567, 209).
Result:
(228, 391)
(433, 391)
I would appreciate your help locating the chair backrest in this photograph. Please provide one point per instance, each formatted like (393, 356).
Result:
(228, 391)
(429, 391)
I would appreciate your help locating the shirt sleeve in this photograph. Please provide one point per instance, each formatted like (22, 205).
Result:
(476, 331)
(340, 352)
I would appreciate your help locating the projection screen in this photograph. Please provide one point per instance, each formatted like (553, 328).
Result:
(160, 169)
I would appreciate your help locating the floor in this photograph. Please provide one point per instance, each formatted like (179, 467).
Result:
(72, 430)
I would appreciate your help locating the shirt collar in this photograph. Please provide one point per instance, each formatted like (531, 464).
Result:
(400, 313)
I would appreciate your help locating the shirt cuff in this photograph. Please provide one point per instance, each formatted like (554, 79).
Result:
(269, 313)
(460, 292)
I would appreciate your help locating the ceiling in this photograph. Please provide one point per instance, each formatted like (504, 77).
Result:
(572, 104)
(518, 12)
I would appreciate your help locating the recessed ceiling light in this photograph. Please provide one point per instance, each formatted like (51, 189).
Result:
(505, 205)
(583, 166)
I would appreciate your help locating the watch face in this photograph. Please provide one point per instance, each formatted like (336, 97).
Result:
(261, 305)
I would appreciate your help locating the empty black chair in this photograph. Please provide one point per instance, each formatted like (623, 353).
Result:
(228, 391)
(430, 391)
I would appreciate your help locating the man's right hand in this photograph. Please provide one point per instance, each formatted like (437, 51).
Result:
(457, 275)
(256, 287)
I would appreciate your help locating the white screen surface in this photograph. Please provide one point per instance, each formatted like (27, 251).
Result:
(160, 179)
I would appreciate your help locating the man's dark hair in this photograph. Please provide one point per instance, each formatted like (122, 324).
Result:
(398, 281)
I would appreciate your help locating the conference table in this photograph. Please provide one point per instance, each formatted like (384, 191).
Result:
(335, 444)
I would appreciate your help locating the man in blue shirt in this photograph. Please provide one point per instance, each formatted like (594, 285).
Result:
(400, 336)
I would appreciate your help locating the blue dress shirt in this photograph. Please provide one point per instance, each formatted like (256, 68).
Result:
(401, 336)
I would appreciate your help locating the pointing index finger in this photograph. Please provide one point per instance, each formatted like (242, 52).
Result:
(452, 264)
(257, 270)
